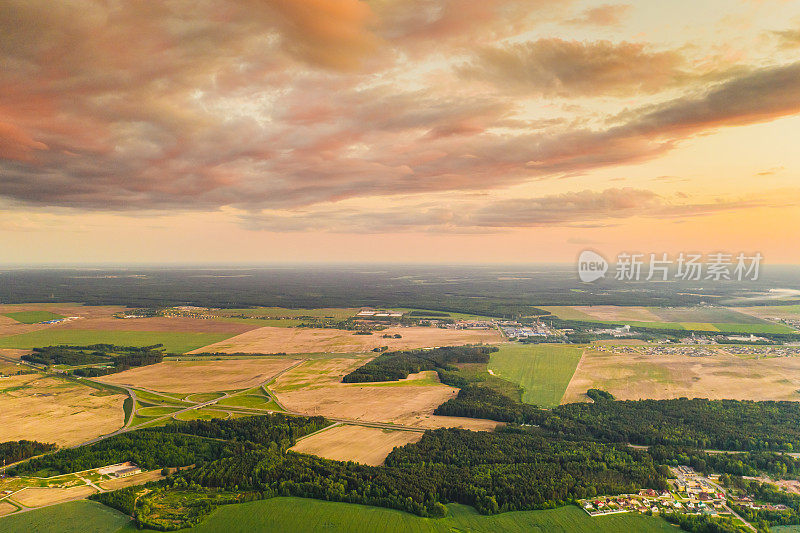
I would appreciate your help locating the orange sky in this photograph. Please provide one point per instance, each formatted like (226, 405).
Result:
(397, 130)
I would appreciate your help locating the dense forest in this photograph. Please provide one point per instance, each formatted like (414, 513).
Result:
(474, 401)
(112, 358)
(392, 366)
(17, 450)
(692, 423)
(177, 444)
(738, 464)
(490, 290)
(696, 423)
(494, 472)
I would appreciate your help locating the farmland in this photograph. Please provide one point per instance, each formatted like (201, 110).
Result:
(315, 388)
(543, 371)
(50, 409)
(280, 312)
(42, 496)
(368, 446)
(32, 317)
(173, 341)
(73, 517)
(722, 376)
(726, 320)
(286, 514)
(301, 515)
(316, 340)
(201, 376)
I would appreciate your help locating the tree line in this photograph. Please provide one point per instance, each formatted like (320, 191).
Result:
(392, 366)
(17, 450)
(116, 358)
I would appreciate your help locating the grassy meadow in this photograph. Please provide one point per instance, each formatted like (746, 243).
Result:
(542, 370)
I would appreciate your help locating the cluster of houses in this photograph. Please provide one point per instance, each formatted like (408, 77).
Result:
(690, 493)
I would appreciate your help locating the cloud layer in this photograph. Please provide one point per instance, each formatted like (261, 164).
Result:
(287, 104)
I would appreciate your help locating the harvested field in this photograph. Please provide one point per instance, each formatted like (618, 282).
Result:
(6, 508)
(48, 409)
(138, 479)
(313, 340)
(613, 312)
(186, 325)
(10, 353)
(315, 388)
(723, 376)
(772, 311)
(368, 446)
(201, 376)
(37, 497)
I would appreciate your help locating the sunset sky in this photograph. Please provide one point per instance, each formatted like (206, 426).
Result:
(397, 130)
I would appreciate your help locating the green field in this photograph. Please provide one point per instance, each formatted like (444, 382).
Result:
(174, 342)
(542, 370)
(157, 411)
(252, 401)
(201, 414)
(754, 328)
(159, 399)
(32, 317)
(73, 517)
(290, 515)
(202, 397)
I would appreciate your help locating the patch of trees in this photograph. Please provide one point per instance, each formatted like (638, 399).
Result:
(704, 524)
(598, 395)
(17, 450)
(474, 401)
(392, 366)
(117, 358)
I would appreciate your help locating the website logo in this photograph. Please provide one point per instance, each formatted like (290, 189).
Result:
(591, 266)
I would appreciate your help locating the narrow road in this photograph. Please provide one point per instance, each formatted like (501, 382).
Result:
(195, 406)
